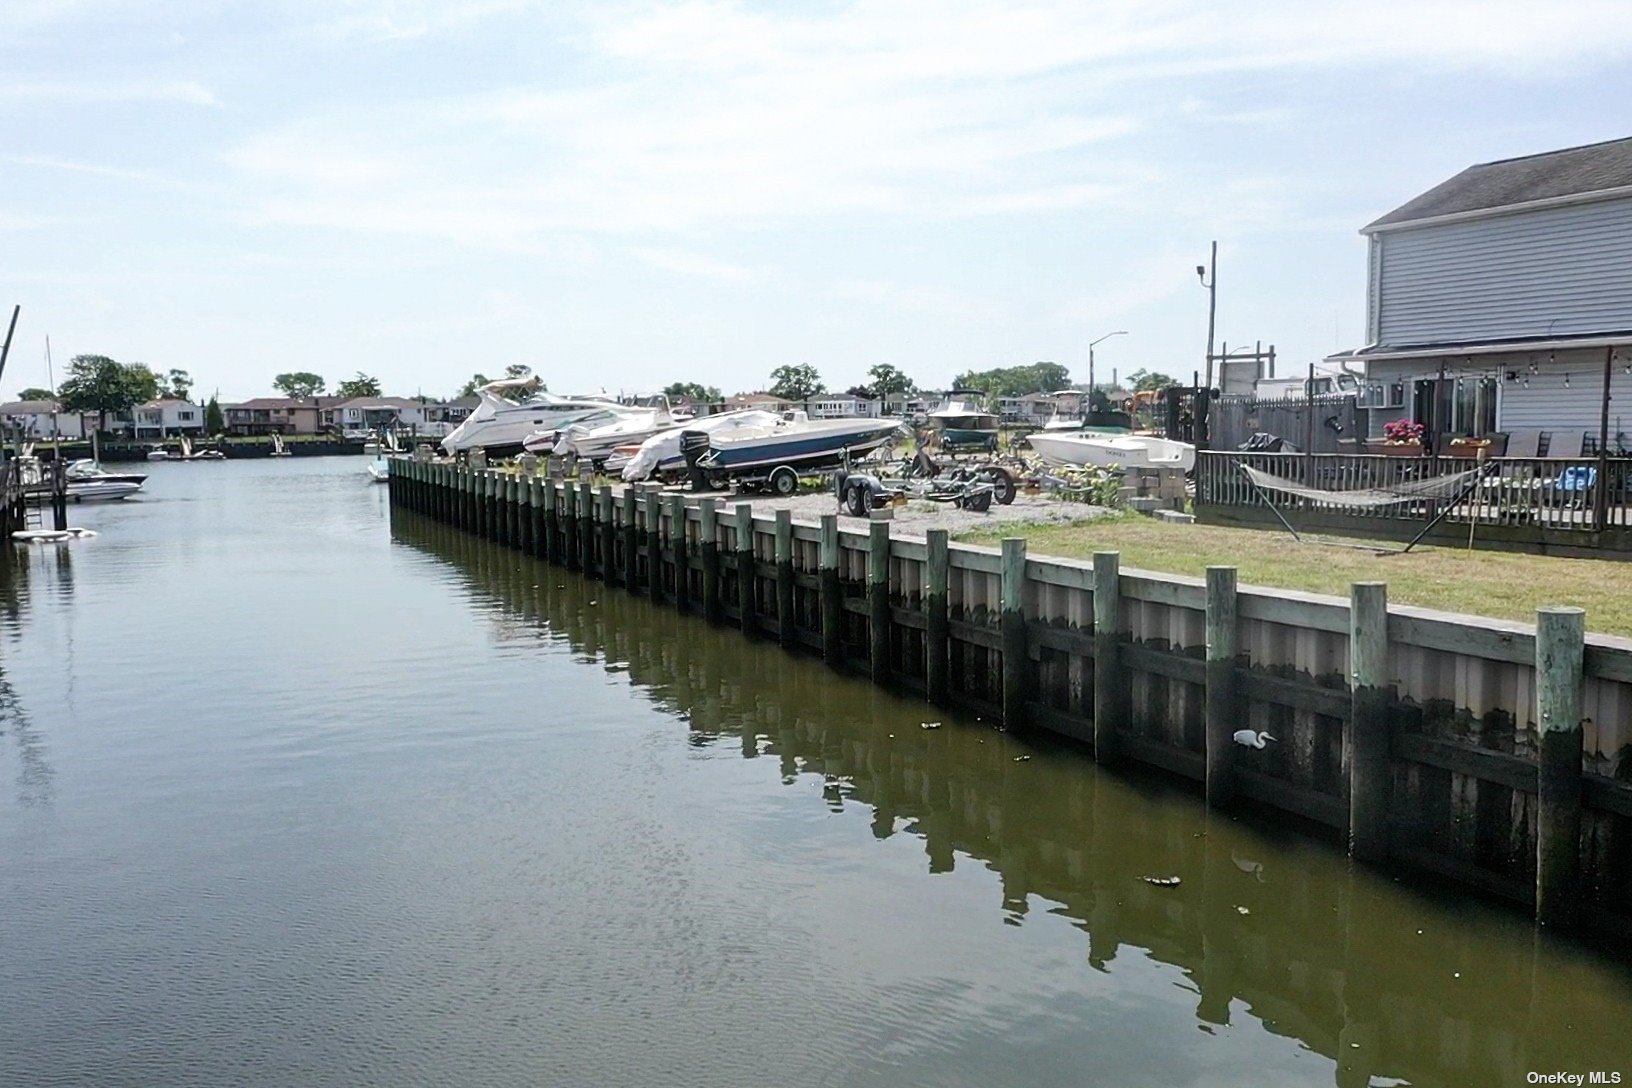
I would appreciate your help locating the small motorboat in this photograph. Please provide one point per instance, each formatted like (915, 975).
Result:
(100, 490)
(963, 425)
(85, 470)
(159, 453)
(1066, 448)
(778, 452)
(660, 457)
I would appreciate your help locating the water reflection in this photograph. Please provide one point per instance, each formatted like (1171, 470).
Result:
(34, 772)
(1390, 984)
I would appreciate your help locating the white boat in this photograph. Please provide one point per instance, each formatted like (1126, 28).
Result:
(500, 424)
(794, 442)
(159, 454)
(963, 425)
(594, 441)
(1112, 450)
(660, 455)
(278, 448)
(379, 471)
(188, 454)
(100, 490)
(85, 470)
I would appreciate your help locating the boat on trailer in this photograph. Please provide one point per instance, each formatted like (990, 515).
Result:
(1107, 450)
(779, 453)
(963, 425)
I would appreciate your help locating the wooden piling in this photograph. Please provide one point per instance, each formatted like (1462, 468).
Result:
(631, 538)
(709, 551)
(606, 512)
(746, 579)
(680, 551)
(1370, 775)
(1560, 638)
(654, 542)
(786, 631)
(1109, 685)
(1223, 707)
(1012, 628)
(552, 522)
(878, 600)
(830, 591)
(937, 624)
(586, 525)
(568, 513)
(512, 511)
(535, 516)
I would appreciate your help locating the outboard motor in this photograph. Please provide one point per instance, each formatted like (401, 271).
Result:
(693, 444)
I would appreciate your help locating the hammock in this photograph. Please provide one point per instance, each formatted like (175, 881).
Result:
(1449, 489)
(1437, 487)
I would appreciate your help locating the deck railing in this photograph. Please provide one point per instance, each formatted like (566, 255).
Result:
(1579, 494)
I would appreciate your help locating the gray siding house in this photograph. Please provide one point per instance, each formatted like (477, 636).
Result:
(1496, 299)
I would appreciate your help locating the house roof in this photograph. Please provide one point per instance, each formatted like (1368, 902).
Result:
(28, 408)
(269, 402)
(1505, 183)
(380, 402)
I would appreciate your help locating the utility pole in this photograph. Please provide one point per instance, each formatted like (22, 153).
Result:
(1208, 274)
(1102, 339)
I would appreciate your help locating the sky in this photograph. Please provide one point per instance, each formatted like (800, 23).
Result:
(621, 195)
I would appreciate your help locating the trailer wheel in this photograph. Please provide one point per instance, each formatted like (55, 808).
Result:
(1003, 489)
(979, 502)
(857, 501)
(784, 481)
(719, 481)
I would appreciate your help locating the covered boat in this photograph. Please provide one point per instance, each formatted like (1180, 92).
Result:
(660, 455)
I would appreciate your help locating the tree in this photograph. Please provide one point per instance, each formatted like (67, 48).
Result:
(181, 384)
(863, 391)
(148, 384)
(888, 381)
(214, 421)
(800, 382)
(96, 383)
(1145, 380)
(360, 386)
(299, 384)
(696, 392)
(34, 392)
(1015, 381)
(470, 387)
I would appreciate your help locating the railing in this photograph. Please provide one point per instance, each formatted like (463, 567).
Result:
(1578, 494)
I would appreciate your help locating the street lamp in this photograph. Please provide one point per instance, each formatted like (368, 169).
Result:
(1209, 279)
(1101, 340)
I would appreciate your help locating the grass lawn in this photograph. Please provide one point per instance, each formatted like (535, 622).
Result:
(1507, 585)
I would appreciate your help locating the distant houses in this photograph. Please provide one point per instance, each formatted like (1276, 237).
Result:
(1500, 302)
(345, 415)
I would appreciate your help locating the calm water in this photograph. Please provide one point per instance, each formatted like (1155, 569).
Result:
(293, 795)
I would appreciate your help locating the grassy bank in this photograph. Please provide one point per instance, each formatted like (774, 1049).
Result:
(1500, 584)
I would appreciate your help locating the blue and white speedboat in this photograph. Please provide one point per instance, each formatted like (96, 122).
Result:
(794, 441)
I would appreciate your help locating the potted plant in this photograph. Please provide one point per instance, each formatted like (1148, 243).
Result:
(1401, 438)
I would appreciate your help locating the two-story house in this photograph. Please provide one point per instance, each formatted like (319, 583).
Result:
(1500, 301)
(841, 406)
(165, 417)
(42, 419)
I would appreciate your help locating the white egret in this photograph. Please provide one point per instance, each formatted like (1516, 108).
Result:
(1247, 738)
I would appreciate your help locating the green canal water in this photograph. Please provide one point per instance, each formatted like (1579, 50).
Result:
(296, 792)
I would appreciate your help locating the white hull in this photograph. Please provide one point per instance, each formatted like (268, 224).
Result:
(498, 423)
(795, 441)
(1112, 450)
(661, 452)
(101, 490)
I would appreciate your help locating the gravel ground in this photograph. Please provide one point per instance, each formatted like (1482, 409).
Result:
(919, 515)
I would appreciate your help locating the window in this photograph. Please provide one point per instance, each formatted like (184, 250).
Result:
(184, 415)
